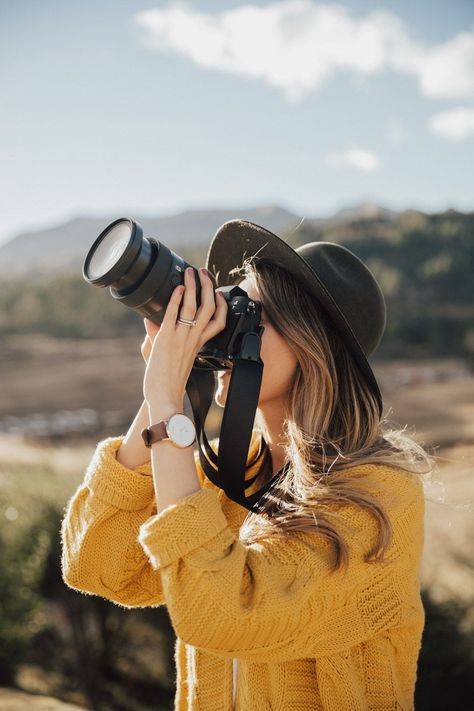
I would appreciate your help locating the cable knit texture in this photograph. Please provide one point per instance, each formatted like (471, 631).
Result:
(304, 638)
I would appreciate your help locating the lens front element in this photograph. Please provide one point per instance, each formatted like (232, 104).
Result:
(109, 250)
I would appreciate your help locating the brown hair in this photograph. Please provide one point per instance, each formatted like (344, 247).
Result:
(332, 424)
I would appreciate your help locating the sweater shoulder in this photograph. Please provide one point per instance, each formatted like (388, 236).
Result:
(398, 496)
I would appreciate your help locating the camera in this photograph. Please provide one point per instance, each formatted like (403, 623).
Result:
(142, 273)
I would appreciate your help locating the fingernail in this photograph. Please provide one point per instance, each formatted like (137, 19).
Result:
(204, 271)
(190, 271)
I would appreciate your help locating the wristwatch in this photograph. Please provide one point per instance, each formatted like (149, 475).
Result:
(178, 428)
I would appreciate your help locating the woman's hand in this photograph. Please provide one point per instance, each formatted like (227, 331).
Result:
(174, 346)
(147, 342)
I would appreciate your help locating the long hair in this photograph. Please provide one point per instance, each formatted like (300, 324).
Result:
(332, 424)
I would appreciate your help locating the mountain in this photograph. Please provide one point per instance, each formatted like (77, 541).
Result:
(423, 263)
(65, 246)
(364, 211)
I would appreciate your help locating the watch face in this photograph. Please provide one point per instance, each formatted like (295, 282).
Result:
(181, 430)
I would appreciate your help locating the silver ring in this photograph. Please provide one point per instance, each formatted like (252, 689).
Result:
(186, 322)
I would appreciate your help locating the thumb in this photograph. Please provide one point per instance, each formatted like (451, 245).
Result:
(151, 328)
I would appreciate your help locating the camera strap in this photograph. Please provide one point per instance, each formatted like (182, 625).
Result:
(227, 469)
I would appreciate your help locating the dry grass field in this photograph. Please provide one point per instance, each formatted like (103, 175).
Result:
(14, 700)
(50, 378)
(46, 381)
(59, 397)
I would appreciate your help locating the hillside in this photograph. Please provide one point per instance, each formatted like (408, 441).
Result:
(65, 246)
(424, 263)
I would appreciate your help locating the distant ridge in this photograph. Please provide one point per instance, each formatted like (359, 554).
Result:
(364, 210)
(63, 247)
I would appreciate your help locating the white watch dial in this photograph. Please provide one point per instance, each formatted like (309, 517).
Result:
(181, 430)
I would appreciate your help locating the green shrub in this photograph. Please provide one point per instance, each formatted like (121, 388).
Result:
(21, 563)
(446, 661)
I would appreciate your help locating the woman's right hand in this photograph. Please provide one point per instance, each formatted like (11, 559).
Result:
(146, 345)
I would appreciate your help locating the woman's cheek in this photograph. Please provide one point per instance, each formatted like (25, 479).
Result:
(222, 388)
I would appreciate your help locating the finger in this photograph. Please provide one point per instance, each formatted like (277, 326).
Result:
(171, 313)
(218, 322)
(208, 302)
(151, 328)
(189, 301)
(146, 349)
(222, 305)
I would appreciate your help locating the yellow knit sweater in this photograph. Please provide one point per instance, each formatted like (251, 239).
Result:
(305, 638)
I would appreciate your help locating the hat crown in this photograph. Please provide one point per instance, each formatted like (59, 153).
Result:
(331, 273)
(352, 287)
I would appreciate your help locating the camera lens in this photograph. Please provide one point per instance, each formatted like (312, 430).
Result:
(120, 256)
(141, 273)
(109, 250)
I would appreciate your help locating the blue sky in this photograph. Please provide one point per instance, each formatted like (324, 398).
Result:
(120, 107)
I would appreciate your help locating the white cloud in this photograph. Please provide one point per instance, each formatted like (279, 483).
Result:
(296, 45)
(359, 158)
(395, 132)
(447, 70)
(455, 124)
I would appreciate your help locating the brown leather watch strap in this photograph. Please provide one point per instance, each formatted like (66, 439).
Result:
(154, 433)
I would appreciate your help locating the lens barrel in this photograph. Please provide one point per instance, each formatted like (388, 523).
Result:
(141, 273)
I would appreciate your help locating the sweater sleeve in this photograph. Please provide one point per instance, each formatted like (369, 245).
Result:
(101, 554)
(274, 600)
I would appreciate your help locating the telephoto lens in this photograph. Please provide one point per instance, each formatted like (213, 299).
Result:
(141, 272)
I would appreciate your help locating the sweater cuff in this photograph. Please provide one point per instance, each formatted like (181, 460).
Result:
(115, 484)
(182, 527)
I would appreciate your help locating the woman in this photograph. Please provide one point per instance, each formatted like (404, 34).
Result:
(314, 602)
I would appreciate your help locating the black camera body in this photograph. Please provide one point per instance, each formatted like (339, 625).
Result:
(142, 273)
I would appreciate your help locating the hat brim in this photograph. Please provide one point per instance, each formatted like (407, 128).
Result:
(237, 240)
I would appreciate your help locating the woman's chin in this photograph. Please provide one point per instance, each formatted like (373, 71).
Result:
(220, 395)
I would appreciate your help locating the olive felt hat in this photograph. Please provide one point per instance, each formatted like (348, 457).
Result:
(331, 273)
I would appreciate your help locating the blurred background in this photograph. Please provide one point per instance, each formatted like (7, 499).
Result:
(351, 122)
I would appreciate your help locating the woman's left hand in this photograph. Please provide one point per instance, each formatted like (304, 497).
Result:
(176, 345)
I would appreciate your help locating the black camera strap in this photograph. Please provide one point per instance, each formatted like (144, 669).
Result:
(227, 469)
